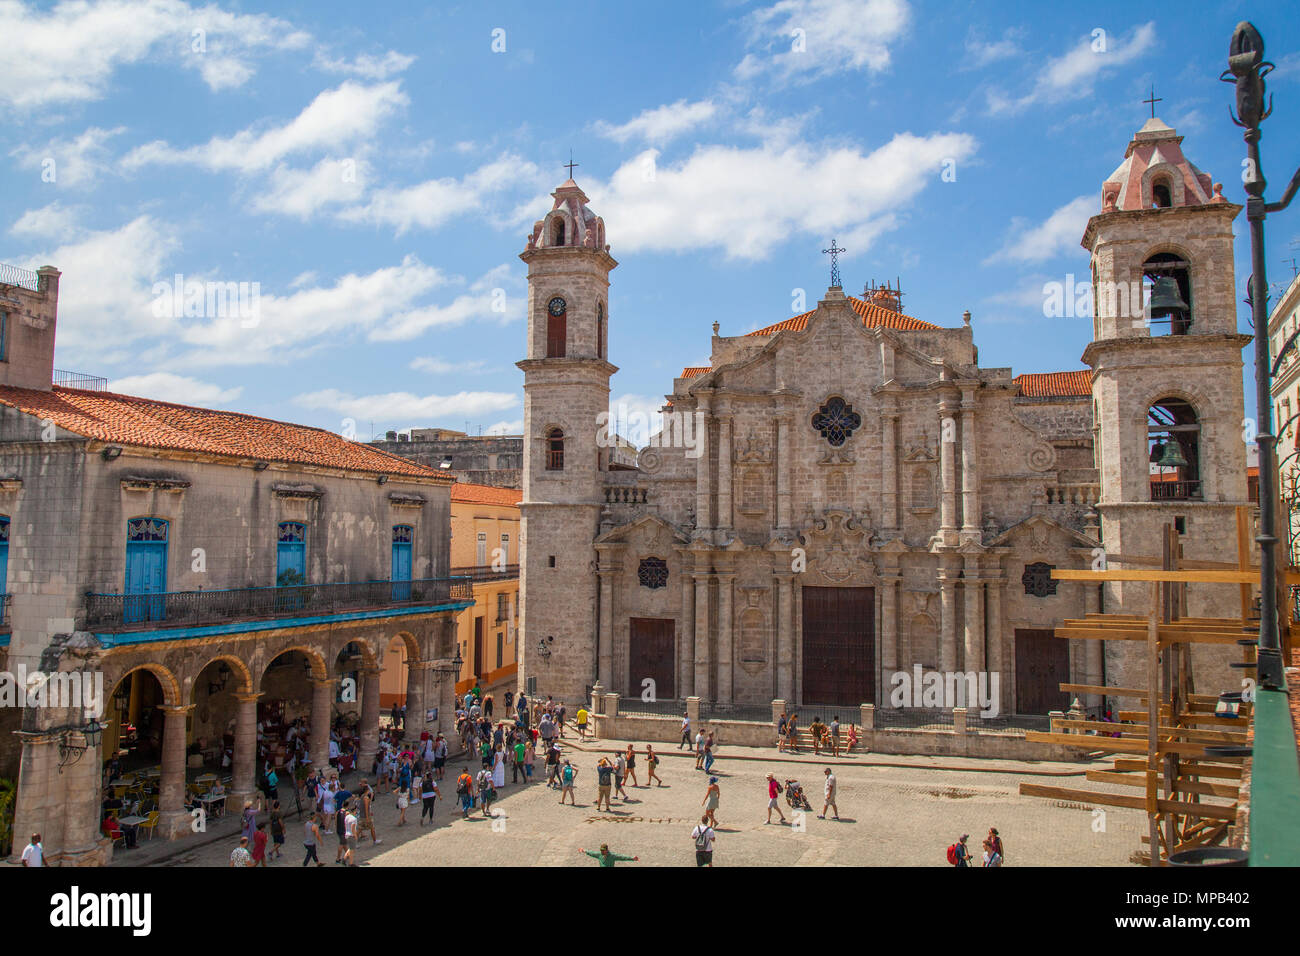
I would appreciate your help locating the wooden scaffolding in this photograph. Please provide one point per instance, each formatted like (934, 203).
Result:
(1177, 749)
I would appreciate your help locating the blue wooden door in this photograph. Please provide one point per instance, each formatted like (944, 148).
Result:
(402, 535)
(146, 570)
(291, 554)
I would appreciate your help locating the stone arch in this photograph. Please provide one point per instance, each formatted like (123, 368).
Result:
(413, 648)
(923, 641)
(1168, 175)
(557, 220)
(370, 655)
(320, 669)
(171, 687)
(237, 666)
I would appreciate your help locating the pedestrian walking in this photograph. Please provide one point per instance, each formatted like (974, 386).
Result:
(620, 773)
(487, 791)
(553, 767)
(367, 813)
(341, 830)
(710, 801)
(835, 736)
(959, 853)
(773, 791)
(428, 798)
(630, 760)
(792, 734)
(651, 762)
(404, 801)
(703, 836)
(259, 845)
(699, 750)
(604, 772)
(780, 732)
(996, 840)
(465, 790)
(249, 821)
(517, 767)
(240, 856)
(686, 732)
(606, 858)
(34, 852)
(311, 839)
(830, 796)
(350, 835)
(708, 753)
(582, 717)
(277, 830)
(530, 754)
(567, 776)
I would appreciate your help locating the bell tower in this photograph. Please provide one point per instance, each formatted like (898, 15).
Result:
(1166, 363)
(566, 404)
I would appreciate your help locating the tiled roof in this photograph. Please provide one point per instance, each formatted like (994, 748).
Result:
(148, 423)
(464, 491)
(693, 370)
(1055, 384)
(873, 316)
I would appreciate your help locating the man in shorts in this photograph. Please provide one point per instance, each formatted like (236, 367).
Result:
(350, 830)
(604, 771)
(830, 796)
(773, 791)
(703, 836)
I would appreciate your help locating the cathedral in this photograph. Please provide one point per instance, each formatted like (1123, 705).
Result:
(847, 494)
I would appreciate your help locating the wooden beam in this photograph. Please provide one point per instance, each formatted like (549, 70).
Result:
(1181, 784)
(1136, 634)
(1207, 810)
(1119, 745)
(1191, 767)
(1199, 736)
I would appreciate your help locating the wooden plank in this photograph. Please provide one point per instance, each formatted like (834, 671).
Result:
(1103, 690)
(1191, 767)
(1191, 717)
(1144, 560)
(1119, 745)
(1181, 784)
(1201, 810)
(1137, 634)
(1198, 736)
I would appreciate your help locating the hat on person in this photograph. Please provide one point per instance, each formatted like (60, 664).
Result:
(965, 836)
(713, 780)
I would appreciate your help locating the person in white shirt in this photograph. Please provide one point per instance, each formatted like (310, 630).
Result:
(703, 836)
(830, 796)
(34, 853)
(350, 831)
(334, 752)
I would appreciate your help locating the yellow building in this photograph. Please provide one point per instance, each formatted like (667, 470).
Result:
(485, 547)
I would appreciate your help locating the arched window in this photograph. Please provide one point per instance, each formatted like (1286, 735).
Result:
(1173, 441)
(922, 490)
(555, 450)
(556, 327)
(600, 330)
(557, 232)
(1162, 196)
(1167, 289)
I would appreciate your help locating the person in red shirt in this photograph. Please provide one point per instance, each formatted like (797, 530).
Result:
(259, 845)
(773, 791)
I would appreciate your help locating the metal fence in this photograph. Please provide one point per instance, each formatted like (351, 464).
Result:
(636, 707)
(198, 607)
(12, 275)
(486, 572)
(759, 713)
(1009, 722)
(92, 383)
(914, 718)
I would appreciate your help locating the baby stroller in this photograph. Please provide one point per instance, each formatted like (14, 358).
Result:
(794, 796)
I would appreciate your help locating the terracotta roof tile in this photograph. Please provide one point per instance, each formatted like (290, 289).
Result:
(1055, 384)
(691, 371)
(873, 316)
(465, 491)
(148, 423)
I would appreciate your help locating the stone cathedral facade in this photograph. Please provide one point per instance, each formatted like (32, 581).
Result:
(848, 494)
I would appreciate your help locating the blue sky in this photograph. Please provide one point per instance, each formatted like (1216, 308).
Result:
(376, 173)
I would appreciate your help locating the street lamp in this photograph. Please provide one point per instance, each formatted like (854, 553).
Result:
(69, 752)
(1246, 70)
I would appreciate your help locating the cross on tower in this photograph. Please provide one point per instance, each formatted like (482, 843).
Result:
(834, 253)
(570, 164)
(1154, 100)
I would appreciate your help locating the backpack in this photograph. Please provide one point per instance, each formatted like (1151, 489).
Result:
(272, 780)
(461, 787)
(952, 854)
(701, 838)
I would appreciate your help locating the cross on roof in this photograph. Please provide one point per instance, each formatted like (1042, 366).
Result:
(1154, 100)
(570, 164)
(834, 253)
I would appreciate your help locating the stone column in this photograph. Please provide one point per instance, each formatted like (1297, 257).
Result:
(369, 745)
(703, 471)
(173, 821)
(995, 641)
(725, 656)
(782, 473)
(686, 649)
(243, 782)
(868, 716)
(322, 703)
(947, 618)
(947, 470)
(724, 474)
(80, 803)
(888, 624)
(605, 664)
(701, 633)
(970, 497)
(974, 624)
(889, 472)
(785, 635)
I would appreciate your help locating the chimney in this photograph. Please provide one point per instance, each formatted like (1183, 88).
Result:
(28, 314)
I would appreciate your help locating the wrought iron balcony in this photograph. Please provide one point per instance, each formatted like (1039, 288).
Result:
(138, 611)
(486, 572)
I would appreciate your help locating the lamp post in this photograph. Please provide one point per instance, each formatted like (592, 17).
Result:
(1247, 69)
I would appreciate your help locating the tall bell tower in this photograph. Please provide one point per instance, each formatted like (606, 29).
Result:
(1167, 375)
(566, 400)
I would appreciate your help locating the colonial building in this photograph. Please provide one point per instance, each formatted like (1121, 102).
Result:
(1283, 323)
(222, 574)
(495, 460)
(848, 494)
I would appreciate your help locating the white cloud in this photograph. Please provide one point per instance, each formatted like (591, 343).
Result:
(333, 120)
(814, 38)
(304, 192)
(366, 66)
(1059, 232)
(1072, 75)
(76, 162)
(661, 124)
(54, 221)
(167, 387)
(982, 52)
(439, 366)
(515, 427)
(747, 201)
(69, 52)
(395, 405)
(636, 417)
(429, 204)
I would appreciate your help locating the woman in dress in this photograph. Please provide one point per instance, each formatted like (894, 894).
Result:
(710, 801)
(651, 762)
(631, 765)
(499, 768)
(403, 801)
(249, 822)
